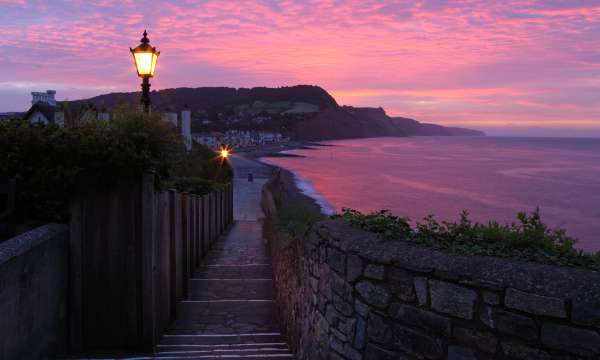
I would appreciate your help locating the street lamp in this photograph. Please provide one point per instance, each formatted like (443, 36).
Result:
(224, 153)
(145, 57)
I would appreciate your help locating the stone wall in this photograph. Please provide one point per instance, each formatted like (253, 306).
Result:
(33, 293)
(346, 294)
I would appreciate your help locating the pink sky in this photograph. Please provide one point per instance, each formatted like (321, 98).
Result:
(507, 67)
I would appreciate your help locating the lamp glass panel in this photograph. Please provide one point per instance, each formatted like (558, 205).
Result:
(145, 63)
(154, 58)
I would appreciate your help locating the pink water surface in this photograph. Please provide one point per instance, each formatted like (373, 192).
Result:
(492, 178)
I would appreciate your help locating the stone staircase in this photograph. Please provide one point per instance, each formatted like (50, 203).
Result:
(230, 312)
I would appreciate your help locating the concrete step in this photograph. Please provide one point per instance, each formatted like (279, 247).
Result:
(225, 317)
(220, 351)
(220, 289)
(219, 357)
(210, 357)
(237, 346)
(191, 340)
(234, 272)
(245, 256)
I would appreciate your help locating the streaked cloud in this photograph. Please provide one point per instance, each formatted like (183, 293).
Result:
(455, 62)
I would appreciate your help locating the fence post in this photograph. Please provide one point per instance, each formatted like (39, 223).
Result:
(219, 212)
(205, 221)
(75, 275)
(148, 261)
(223, 209)
(194, 236)
(213, 210)
(230, 215)
(185, 228)
(231, 202)
(197, 221)
(176, 250)
(209, 219)
(164, 257)
(201, 214)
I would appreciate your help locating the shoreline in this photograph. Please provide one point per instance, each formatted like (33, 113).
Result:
(291, 183)
(278, 150)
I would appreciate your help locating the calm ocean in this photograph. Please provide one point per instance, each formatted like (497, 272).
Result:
(492, 178)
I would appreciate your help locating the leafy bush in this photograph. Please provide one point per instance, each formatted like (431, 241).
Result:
(294, 221)
(49, 162)
(203, 162)
(528, 238)
(193, 185)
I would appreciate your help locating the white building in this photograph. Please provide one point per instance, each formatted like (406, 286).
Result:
(186, 128)
(270, 137)
(42, 113)
(47, 97)
(211, 140)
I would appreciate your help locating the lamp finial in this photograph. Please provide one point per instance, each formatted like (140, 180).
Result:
(145, 39)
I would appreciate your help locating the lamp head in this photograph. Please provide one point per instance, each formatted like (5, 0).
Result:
(145, 57)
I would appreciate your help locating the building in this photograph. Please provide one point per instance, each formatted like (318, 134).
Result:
(11, 116)
(41, 97)
(211, 140)
(270, 137)
(186, 128)
(44, 110)
(42, 113)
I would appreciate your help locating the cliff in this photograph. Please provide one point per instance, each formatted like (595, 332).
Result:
(413, 127)
(208, 98)
(344, 123)
(304, 112)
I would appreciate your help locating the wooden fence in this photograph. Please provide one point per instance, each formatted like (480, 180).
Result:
(133, 251)
(7, 207)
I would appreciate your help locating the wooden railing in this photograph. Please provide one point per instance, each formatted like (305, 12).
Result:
(132, 252)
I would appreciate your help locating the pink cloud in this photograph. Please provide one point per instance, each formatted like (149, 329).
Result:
(439, 60)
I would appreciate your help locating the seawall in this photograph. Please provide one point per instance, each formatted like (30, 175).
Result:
(346, 294)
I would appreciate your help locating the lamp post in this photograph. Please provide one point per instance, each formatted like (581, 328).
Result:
(145, 56)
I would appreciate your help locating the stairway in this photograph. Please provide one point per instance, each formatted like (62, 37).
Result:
(230, 311)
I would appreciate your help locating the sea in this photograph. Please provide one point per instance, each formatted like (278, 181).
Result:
(493, 178)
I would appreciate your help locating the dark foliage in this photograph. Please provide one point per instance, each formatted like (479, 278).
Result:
(50, 163)
(528, 238)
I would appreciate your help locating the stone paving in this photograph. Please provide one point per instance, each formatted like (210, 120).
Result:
(230, 311)
(247, 194)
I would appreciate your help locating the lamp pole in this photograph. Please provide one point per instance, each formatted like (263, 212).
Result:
(145, 100)
(145, 56)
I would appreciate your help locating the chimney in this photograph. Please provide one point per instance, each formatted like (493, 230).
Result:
(47, 97)
(186, 127)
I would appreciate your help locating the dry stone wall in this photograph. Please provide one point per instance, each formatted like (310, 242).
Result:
(346, 294)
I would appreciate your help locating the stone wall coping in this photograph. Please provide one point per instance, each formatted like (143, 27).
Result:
(21, 244)
(477, 270)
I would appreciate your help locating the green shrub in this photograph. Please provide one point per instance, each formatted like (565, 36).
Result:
(528, 238)
(295, 221)
(194, 185)
(50, 162)
(203, 162)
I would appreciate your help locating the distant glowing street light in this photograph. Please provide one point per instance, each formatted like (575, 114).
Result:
(224, 153)
(145, 57)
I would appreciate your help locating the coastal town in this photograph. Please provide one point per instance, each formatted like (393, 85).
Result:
(46, 110)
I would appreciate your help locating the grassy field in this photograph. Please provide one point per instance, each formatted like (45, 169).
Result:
(279, 107)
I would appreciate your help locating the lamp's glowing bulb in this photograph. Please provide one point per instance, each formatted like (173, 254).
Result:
(224, 153)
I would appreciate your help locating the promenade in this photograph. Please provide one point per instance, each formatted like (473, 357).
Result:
(231, 312)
